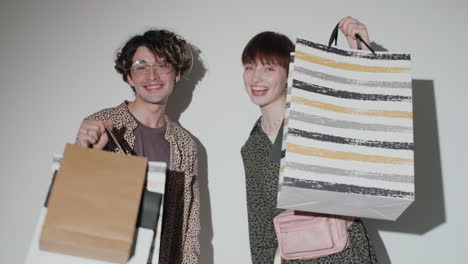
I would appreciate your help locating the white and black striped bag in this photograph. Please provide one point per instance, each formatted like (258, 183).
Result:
(348, 135)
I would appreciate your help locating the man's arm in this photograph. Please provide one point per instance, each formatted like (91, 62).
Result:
(191, 247)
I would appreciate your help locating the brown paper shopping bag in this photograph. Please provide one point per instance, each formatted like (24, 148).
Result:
(93, 205)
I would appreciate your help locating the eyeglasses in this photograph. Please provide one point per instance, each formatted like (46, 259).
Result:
(141, 68)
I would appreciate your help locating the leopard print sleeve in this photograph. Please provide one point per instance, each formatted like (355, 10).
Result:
(191, 246)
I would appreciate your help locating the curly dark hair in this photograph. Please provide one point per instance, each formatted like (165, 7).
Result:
(268, 47)
(162, 43)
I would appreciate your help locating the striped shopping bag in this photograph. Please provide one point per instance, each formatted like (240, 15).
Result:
(348, 133)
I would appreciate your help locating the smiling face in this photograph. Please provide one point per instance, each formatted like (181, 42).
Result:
(265, 83)
(153, 87)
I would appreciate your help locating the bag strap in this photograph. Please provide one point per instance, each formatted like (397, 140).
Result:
(334, 37)
(109, 132)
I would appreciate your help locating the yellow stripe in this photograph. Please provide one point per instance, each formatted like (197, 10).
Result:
(286, 121)
(348, 66)
(347, 110)
(325, 153)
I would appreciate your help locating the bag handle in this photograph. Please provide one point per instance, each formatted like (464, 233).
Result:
(114, 138)
(334, 37)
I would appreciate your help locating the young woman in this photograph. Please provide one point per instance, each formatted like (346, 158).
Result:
(266, 58)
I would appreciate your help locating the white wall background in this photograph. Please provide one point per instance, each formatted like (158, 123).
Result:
(56, 66)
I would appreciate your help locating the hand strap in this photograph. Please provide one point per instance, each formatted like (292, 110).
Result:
(334, 37)
(114, 138)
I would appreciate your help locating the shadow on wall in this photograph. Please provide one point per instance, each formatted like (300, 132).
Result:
(428, 209)
(377, 47)
(182, 95)
(178, 103)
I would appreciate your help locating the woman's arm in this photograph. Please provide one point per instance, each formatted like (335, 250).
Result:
(350, 27)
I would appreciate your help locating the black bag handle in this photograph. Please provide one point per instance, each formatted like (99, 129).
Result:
(334, 37)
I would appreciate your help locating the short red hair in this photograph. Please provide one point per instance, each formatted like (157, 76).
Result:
(268, 48)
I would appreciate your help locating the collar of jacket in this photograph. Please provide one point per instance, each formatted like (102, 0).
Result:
(276, 152)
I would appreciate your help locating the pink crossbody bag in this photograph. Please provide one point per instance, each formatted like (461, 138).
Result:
(304, 235)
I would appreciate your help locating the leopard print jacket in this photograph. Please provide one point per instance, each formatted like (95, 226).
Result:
(179, 241)
(261, 175)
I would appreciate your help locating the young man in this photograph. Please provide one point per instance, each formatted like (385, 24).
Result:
(152, 64)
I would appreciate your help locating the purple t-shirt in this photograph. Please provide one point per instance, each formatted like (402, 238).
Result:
(150, 143)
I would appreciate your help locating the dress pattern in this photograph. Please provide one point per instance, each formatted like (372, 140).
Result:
(261, 174)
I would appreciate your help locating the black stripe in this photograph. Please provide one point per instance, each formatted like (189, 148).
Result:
(150, 207)
(345, 188)
(50, 189)
(350, 141)
(401, 56)
(347, 95)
